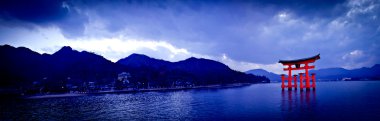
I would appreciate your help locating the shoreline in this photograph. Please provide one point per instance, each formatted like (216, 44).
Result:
(136, 91)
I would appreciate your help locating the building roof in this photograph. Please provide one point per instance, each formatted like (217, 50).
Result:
(316, 57)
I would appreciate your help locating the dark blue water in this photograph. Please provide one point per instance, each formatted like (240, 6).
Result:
(331, 101)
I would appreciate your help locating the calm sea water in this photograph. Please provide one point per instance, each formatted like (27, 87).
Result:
(356, 100)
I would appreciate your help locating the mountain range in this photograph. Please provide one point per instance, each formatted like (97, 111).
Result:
(23, 68)
(330, 74)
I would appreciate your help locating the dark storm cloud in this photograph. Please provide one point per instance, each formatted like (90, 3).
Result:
(326, 8)
(346, 33)
(35, 11)
(32, 13)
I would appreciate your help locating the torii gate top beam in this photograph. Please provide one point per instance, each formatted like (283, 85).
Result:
(300, 61)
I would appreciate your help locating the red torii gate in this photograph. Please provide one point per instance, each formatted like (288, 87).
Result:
(306, 67)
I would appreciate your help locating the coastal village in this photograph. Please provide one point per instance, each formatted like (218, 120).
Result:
(121, 83)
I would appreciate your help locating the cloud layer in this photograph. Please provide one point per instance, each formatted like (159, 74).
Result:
(242, 34)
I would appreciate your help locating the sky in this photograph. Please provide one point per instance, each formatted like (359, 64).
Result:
(241, 34)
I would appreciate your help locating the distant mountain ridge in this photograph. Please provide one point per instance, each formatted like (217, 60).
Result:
(261, 72)
(365, 73)
(23, 68)
(331, 74)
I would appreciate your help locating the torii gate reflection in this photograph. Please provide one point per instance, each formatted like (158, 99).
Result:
(297, 66)
(305, 101)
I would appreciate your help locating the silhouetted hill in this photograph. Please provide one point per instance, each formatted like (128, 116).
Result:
(19, 66)
(194, 70)
(84, 66)
(139, 60)
(261, 72)
(23, 68)
(209, 71)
